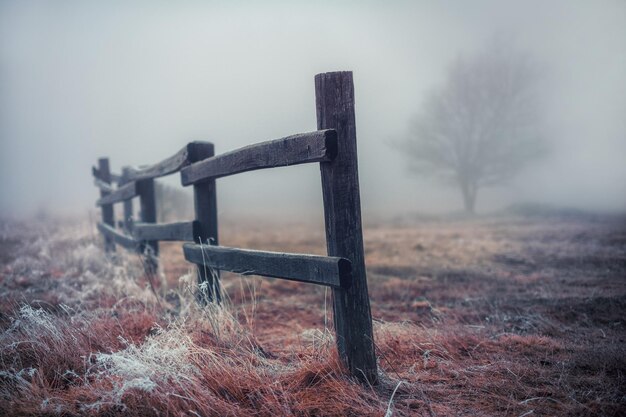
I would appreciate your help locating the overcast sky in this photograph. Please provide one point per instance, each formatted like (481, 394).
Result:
(135, 81)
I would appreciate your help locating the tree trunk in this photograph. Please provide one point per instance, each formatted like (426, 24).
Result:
(469, 196)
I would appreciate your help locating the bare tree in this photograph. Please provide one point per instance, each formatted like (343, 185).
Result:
(482, 126)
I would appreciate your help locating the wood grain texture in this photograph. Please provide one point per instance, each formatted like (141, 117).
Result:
(321, 270)
(334, 94)
(147, 203)
(205, 209)
(120, 238)
(128, 204)
(108, 216)
(168, 166)
(181, 231)
(292, 150)
(125, 192)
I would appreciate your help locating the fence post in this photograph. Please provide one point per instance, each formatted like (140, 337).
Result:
(334, 96)
(107, 209)
(128, 204)
(205, 206)
(147, 201)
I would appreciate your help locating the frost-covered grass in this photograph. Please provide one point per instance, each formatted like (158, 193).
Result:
(478, 318)
(83, 365)
(64, 264)
(82, 333)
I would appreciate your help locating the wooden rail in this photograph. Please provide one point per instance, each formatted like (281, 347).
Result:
(322, 270)
(168, 166)
(297, 149)
(182, 231)
(118, 237)
(123, 193)
(333, 146)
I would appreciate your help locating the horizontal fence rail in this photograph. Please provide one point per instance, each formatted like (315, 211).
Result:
(297, 149)
(125, 192)
(322, 270)
(100, 174)
(333, 146)
(103, 186)
(168, 166)
(182, 231)
(118, 237)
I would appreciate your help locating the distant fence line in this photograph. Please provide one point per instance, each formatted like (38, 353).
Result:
(333, 146)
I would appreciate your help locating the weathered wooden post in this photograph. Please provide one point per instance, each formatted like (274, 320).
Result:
(104, 174)
(205, 206)
(334, 96)
(147, 202)
(128, 204)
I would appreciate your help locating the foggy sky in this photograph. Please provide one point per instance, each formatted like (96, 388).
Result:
(135, 82)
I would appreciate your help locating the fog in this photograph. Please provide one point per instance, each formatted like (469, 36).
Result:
(135, 82)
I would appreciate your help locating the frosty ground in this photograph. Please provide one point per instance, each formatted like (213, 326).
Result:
(512, 314)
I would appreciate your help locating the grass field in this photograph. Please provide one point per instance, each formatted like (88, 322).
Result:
(506, 315)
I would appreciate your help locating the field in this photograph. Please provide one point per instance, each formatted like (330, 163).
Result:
(515, 314)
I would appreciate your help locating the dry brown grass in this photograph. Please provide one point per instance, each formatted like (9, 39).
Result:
(501, 316)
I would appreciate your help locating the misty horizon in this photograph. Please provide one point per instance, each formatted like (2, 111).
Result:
(136, 82)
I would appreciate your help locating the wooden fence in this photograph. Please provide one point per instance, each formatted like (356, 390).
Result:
(333, 146)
